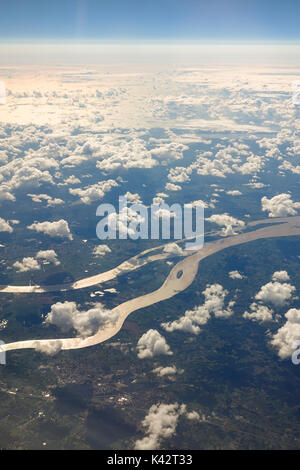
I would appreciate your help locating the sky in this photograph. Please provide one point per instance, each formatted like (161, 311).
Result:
(159, 20)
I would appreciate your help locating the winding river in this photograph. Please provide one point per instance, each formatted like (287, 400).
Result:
(180, 277)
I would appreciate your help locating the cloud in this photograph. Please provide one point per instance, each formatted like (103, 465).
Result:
(215, 301)
(259, 313)
(32, 264)
(234, 193)
(173, 249)
(187, 324)
(152, 344)
(179, 174)
(48, 255)
(235, 275)
(280, 276)
(101, 250)
(133, 198)
(275, 293)
(165, 213)
(172, 187)
(165, 371)
(66, 316)
(288, 166)
(160, 423)
(4, 226)
(230, 223)
(199, 203)
(58, 229)
(158, 200)
(193, 415)
(27, 171)
(131, 153)
(72, 180)
(286, 336)
(94, 192)
(73, 160)
(5, 194)
(127, 221)
(253, 164)
(50, 347)
(169, 151)
(27, 264)
(216, 167)
(280, 205)
(214, 295)
(256, 185)
(51, 202)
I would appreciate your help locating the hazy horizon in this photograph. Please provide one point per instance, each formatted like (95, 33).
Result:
(55, 52)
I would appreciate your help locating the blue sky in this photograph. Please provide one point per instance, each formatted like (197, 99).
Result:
(151, 19)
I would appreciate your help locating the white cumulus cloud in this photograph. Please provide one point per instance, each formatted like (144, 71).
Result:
(5, 226)
(286, 336)
(230, 224)
(276, 293)
(48, 255)
(260, 313)
(173, 249)
(58, 229)
(160, 423)
(167, 371)
(235, 275)
(93, 193)
(66, 316)
(280, 276)
(50, 347)
(280, 205)
(152, 344)
(214, 295)
(27, 264)
(101, 250)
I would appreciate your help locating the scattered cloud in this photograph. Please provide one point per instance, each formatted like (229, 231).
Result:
(167, 371)
(193, 415)
(51, 202)
(33, 263)
(172, 187)
(234, 192)
(58, 229)
(276, 293)
(27, 264)
(49, 347)
(231, 224)
(260, 313)
(93, 193)
(288, 334)
(235, 275)
(173, 249)
(214, 295)
(5, 226)
(160, 423)
(101, 250)
(280, 205)
(133, 198)
(280, 276)
(48, 255)
(66, 316)
(152, 344)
